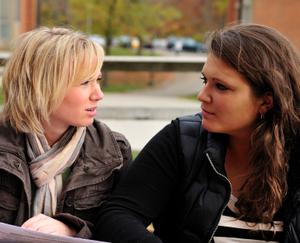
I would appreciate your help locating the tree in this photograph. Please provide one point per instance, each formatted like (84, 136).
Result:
(198, 17)
(54, 12)
(147, 18)
(139, 18)
(111, 17)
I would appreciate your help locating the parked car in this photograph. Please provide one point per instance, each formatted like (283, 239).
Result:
(159, 43)
(148, 43)
(125, 41)
(98, 39)
(135, 42)
(115, 42)
(155, 43)
(171, 41)
(201, 48)
(188, 44)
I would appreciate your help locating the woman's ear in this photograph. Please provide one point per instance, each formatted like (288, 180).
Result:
(268, 102)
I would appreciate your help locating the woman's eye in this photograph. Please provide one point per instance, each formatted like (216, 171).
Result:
(204, 79)
(85, 83)
(99, 80)
(221, 87)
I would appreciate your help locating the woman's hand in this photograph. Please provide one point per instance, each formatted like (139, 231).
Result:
(47, 224)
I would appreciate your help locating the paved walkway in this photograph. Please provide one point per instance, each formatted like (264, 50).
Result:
(163, 103)
(139, 115)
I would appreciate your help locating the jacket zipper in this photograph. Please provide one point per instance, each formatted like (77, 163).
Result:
(13, 153)
(210, 161)
(291, 233)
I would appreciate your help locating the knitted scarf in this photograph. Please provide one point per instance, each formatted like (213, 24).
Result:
(47, 164)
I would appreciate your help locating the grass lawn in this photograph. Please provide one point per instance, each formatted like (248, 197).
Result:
(119, 51)
(134, 154)
(1, 97)
(121, 87)
(192, 97)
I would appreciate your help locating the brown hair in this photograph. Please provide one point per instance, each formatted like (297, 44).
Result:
(268, 62)
(41, 70)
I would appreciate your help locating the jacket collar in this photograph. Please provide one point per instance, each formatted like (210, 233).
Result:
(216, 149)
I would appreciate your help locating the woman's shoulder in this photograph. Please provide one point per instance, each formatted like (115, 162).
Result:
(102, 129)
(11, 138)
(103, 143)
(99, 134)
(190, 124)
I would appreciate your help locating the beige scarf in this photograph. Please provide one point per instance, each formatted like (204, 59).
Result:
(47, 164)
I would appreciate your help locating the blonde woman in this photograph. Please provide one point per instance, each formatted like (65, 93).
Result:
(57, 163)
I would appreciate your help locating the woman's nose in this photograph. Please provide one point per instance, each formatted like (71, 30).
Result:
(97, 93)
(204, 95)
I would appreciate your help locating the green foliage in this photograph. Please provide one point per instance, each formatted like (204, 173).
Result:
(55, 13)
(147, 17)
(109, 18)
(139, 18)
(221, 6)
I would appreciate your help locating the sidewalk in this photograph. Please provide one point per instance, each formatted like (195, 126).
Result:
(140, 106)
(160, 104)
(139, 115)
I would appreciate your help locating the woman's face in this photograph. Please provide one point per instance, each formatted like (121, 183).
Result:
(79, 105)
(228, 104)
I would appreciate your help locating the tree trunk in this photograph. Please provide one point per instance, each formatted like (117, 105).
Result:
(108, 32)
(139, 51)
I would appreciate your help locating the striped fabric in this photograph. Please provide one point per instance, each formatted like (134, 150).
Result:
(48, 163)
(235, 231)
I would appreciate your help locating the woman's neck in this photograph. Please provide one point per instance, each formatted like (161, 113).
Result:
(236, 163)
(53, 133)
(239, 148)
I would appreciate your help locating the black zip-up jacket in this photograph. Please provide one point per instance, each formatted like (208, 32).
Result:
(179, 183)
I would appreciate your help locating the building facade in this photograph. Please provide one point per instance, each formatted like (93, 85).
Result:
(282, 15)
(16, 17)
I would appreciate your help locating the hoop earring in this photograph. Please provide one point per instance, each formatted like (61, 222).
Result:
(262, 116)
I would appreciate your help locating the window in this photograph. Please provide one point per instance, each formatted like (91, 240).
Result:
(17, 10)
(5, 30)
(246, 11)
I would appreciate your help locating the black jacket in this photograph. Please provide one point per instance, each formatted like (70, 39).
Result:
(187, 192)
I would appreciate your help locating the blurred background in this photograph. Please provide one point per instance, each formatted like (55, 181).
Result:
(146, 27)
(165, 36)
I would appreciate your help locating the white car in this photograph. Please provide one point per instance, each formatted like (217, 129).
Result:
(98, 39)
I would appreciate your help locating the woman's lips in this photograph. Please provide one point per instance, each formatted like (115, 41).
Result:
(205, 112)
(91, 111)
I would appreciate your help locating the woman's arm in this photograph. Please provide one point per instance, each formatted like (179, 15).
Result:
(49, 225)
(144, 191)
(125, 149)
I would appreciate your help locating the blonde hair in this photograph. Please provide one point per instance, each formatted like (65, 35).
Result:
(41, 70)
